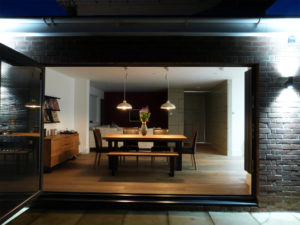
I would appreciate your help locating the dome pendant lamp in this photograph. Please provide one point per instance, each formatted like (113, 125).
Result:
(168, 105)
(124, 105)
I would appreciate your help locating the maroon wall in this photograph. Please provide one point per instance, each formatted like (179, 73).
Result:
(159, 118)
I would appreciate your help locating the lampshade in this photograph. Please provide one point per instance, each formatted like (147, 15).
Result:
(124, 106)
(168, 106)
(32, 104)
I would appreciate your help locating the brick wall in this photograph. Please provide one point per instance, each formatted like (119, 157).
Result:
(278, 119)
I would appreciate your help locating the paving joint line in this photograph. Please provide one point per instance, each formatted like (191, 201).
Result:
(257, 219)
(210, 218)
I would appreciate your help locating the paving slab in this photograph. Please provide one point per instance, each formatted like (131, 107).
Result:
(58, 218)
(232, 218)
(297, 215)
(276, 218)
(102, 218)
(146, 218)
(189, 218)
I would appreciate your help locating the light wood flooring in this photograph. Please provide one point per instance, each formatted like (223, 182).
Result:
(216, 175)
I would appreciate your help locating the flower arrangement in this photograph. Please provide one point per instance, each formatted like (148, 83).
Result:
(144, 114)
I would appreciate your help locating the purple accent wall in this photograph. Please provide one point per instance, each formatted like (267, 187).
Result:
(159, 118)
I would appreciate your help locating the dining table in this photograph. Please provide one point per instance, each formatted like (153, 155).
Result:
(113, 140)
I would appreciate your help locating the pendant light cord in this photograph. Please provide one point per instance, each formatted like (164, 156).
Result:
(125, 79)
(166, 68)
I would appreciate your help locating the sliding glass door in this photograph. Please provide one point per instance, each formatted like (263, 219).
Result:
(20, 130)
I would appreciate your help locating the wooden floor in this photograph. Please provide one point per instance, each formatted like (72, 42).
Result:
(216, 174)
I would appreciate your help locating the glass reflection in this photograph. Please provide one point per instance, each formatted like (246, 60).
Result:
(19, 135)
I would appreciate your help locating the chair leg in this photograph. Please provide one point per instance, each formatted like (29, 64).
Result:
(137, 161)
(95, 161)
(152, 160)
(192, 160)
(99, 159)
(195, 162)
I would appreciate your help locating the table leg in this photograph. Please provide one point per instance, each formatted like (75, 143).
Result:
(109, 158)
(114, 168)
(172, 166)
(179, 158)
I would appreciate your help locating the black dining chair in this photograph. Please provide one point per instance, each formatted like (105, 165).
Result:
(99, 147)
(191, 148)
(130, 145)
(160, 146)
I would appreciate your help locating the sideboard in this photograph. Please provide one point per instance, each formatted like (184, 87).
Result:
(59, 148)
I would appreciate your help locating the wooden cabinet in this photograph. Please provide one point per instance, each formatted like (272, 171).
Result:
(59, 148)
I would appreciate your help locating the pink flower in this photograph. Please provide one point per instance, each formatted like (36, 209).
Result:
(144, 110)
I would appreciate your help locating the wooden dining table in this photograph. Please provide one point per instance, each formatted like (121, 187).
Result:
(113, 140)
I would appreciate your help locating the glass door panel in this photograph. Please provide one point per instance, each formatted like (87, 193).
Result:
(20, 126)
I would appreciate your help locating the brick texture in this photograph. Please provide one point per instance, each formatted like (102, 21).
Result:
(278, 118)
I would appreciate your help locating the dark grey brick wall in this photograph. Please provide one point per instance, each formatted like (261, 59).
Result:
(278, 123)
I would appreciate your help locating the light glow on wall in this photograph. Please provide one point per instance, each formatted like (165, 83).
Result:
(288, 101)
(288, 65)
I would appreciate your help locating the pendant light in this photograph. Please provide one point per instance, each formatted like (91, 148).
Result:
(168, 105)
(124, 105)
(33, 104)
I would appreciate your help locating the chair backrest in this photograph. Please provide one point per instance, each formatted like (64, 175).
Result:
(194, 138)
(131, 131)
(160, 131)
(98, 139)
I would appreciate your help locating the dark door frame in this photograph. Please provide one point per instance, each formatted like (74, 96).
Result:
(168, 201)
(15, 58)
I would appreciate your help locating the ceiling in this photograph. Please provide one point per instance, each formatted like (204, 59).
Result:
(153, 78)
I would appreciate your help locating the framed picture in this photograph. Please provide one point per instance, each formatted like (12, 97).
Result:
(134, 115)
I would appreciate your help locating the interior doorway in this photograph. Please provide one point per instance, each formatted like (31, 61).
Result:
(210, 100)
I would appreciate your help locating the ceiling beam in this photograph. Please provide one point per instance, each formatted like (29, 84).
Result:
(148, 26)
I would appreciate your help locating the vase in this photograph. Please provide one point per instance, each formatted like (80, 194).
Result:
(144, 128)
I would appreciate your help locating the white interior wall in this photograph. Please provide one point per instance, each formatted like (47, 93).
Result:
(96, 95)
(238, 115)
(59, 85)
(74, 104)
(81, 109)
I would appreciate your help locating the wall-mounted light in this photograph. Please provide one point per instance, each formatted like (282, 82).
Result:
(291, 39)
(289, 83)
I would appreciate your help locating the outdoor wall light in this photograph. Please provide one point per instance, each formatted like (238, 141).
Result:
(292, 39)
(289, 83)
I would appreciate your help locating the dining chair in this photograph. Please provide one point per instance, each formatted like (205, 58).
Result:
(130, 145)
(159, 146)
(99, 147)
(191, 148)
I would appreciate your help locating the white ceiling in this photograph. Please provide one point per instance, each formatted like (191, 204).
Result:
(153, 78)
